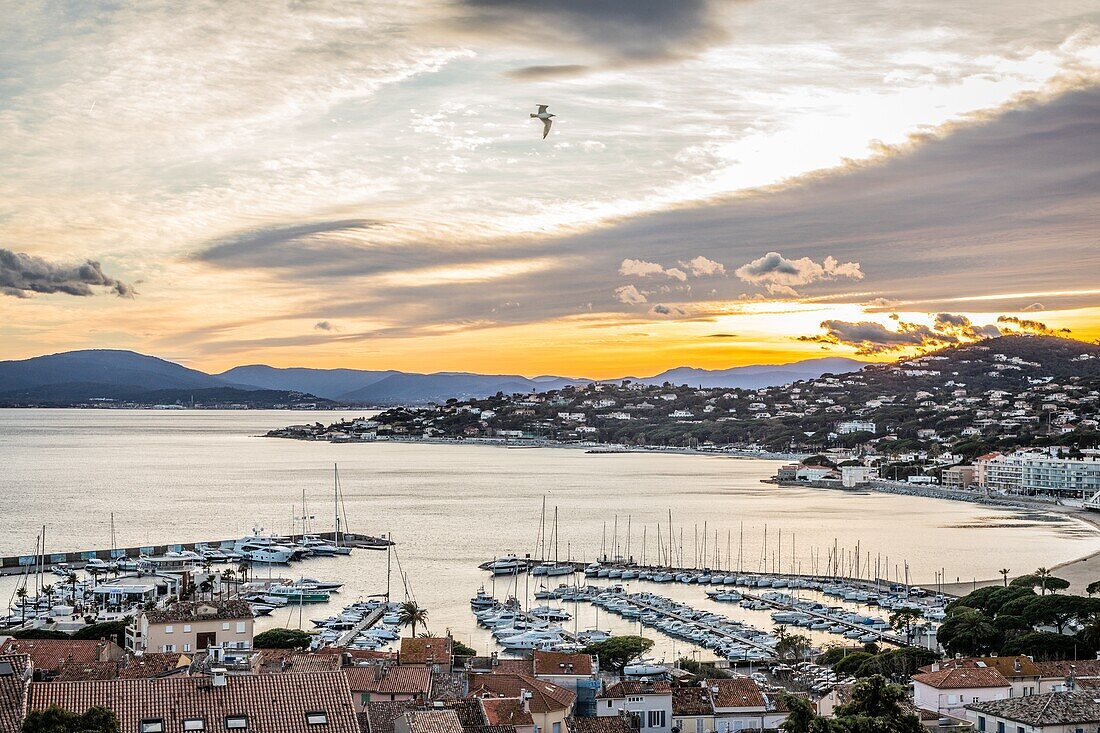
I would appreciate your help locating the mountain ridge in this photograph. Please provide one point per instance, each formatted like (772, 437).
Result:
(90, 374)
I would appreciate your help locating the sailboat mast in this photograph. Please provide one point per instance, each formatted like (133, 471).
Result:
(336, 500)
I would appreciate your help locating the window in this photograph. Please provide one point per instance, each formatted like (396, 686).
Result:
(609, 703)
(656, 719)
(236, 722)
(240, 627)
(557, 728)
(317, 718)
(975, 699)
(169, 647)
(225, 626)
(151, 725)
(981, 722)
(187, 647)
(186, 628)
(1001, 727)
(194, 724)
(169, 629)
(6, 669)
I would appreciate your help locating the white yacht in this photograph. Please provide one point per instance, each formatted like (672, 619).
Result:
(258, 548)
(552, 569)
(507, 565)
(482, 600)
(532, 639)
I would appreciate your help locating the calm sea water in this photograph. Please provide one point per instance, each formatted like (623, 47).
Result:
(173, 476)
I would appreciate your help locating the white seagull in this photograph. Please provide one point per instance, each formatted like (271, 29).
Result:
(545, 117)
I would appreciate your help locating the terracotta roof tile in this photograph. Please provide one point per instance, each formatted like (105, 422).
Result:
(433, 721)
(273, 703)
(155, 664)
(13, 688)
(389, 680)
(1007, 666)
(736, 692)
(1048, 709)
(200, 611)
(50, 654)
(962, 678)
(1063, 667)
(691, 701)
(545, 696)
(381, 714)
(506, 711)
(636, 687)
(78, 671)
(559, 663)
(426, 650)
(607, 724)
(270, 661)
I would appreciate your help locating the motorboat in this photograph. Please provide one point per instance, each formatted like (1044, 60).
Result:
(553, 569)
(329, 585)
(482, 600)
(295, 593)
(260, 549)
(507, 565)
(532, 639)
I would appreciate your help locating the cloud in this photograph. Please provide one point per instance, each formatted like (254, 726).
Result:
(870, 337)
(630, 295)
(1024, 325)
(641, 268)
(22, 274)
(1034, 308)
(619, 31)
(324, 326)
(556, 71)
(778, 275)
(958, 325)
(702, 267)
(721, 335)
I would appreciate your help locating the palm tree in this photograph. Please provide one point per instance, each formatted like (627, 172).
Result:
(1004, 574)
(243, 569)
(72, 582)
(411, 614)
(1042, 574)
(206, 586)
(21, 594)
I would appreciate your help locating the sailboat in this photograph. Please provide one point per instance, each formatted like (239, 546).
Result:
(555, 567)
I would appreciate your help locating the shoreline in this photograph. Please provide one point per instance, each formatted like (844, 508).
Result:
(1074, 570)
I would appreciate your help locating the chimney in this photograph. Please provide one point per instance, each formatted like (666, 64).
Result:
(525, 696)
(1016, 666)
(935, 666)
(217, 677)
(493, 660)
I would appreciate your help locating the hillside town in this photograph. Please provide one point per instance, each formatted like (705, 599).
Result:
(1018, 414)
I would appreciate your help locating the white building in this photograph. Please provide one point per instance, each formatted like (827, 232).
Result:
(650, 702)
(851, 476)
(949, 690)
(1035, 472)
(848, 427)
(1052, 712)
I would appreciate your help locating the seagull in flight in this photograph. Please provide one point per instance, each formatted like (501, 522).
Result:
(545, 117)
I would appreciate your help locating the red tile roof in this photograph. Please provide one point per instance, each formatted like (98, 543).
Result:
(606, 724)
(50, 654)
(691, 701)
(390, 680)
(383, 713)
(1061, 668)
(433, 721)
(273, 703)
(76, 671)
(270, 661)
(545, 696)
(558, 663)
(636, 687)
(957, 679)
(426, 650)
(736, 692)
(155, 664)
(1005, 665)
(13, 688)
(506, 711)
(359, 655)
(200, 611)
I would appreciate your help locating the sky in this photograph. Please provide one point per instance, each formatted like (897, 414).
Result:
(726, 182)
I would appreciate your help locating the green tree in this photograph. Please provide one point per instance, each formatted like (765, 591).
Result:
(113, 630)
(791, 646)
(877, 705)
(1093, 588)
(967, 631)
(902, 621)
(57, 720)
(462, 650)
(410, 614)
(21, 594)
(618, 651)
(282, 639)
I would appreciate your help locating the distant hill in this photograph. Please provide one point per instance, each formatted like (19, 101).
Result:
(401, 388)
(755, 377)
(328, 383)
(76, 377)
